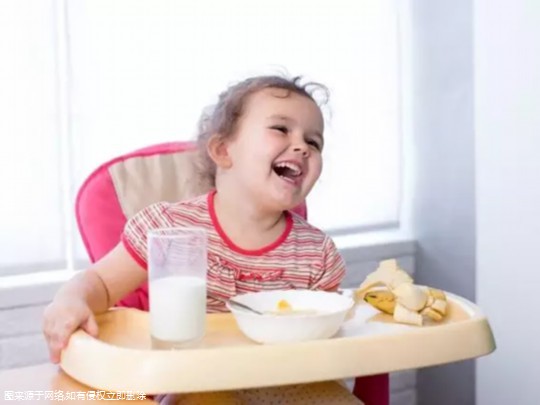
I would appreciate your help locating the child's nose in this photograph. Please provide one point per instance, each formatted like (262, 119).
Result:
(301, 147)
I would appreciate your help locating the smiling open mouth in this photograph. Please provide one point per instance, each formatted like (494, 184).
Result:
(287, 170)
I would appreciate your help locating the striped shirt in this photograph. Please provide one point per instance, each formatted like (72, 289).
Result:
(303, 257)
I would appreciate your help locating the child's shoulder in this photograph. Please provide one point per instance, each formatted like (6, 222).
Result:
(170, 209)
(193, 202)
(303, 229)
(200, 201)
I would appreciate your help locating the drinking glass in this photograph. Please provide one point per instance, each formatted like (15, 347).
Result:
(177, 267)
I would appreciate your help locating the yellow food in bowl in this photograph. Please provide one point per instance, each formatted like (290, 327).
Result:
(283, 305)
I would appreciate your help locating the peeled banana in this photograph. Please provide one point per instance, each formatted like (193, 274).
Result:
(407, 302)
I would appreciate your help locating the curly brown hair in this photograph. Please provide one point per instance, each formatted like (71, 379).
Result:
(222, 118)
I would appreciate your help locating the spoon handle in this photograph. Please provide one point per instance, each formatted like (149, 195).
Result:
(239, 304)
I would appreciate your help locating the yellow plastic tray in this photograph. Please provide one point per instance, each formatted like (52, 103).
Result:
(121, 358)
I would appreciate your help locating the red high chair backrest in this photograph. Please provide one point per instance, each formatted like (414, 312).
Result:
(121, 187)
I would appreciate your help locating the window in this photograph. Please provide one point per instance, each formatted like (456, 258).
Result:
(85, 80)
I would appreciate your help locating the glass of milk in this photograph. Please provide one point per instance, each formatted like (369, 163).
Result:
(177, 266)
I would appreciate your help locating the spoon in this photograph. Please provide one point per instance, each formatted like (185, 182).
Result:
(244, 306)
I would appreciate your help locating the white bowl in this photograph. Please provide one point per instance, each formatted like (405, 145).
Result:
(329, 314)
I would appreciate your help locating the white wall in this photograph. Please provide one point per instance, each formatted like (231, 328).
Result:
(441, 133)
(507, 60)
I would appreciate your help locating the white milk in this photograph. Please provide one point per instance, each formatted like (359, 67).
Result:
(177, 308)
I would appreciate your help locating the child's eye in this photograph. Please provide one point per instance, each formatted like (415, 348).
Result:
(315, 144)
(280, 128)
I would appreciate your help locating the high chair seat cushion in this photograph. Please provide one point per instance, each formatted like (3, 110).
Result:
(323, 393)
(120, 187)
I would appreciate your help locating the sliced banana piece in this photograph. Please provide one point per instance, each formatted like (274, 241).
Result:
(432, 314)
(404, 315)
(411, 296)
(437, 294)
(439, 306)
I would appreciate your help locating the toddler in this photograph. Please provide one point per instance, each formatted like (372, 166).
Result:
(261, 152)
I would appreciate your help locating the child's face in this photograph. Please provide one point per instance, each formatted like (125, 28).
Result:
(276, 149)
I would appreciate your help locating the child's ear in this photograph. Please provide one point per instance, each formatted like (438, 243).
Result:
(219, 152)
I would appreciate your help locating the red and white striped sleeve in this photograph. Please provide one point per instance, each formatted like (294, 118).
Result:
(333, 268)
(135, 235)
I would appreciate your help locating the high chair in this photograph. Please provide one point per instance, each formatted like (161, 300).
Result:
(121, 187)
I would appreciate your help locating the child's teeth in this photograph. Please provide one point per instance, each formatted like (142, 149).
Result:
(291, 166)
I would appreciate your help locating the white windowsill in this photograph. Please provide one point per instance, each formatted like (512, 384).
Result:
(373, 246)
(39, 288)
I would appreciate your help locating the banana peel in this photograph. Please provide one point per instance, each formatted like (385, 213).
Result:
(388, 275)
(383, 300)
